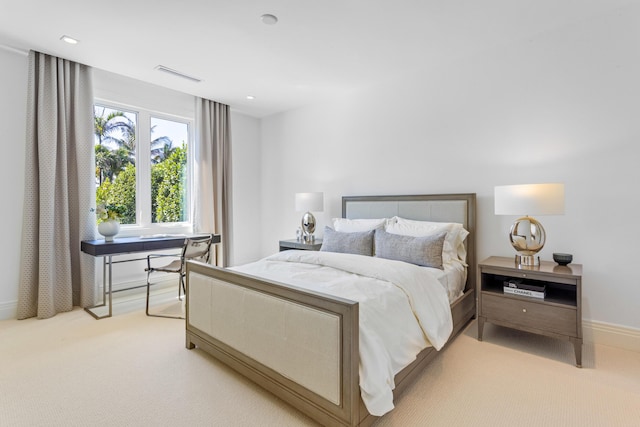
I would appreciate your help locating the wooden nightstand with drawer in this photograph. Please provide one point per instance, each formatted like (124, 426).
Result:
(558, 314)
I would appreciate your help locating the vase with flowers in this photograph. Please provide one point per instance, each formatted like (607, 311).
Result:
(108, 217)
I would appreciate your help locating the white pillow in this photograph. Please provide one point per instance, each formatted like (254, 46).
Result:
(453, 248)
(345, 225)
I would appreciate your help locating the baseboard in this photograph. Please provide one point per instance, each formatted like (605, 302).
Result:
(611, 335)
(8, 310)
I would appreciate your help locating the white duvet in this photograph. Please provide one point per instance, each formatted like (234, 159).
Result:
(403, 309)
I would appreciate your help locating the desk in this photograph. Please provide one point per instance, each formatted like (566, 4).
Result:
(121, 246)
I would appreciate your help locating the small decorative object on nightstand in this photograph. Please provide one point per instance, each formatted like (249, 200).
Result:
(558, 313)
(562, 259)
(301, 245)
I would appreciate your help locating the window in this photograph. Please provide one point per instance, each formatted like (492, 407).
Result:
(142, 167)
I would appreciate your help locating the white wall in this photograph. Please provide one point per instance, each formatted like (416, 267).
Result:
(13, 110)
(559, 107)
(111, 87)
(247, 198)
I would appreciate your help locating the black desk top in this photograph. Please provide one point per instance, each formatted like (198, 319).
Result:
(124, 245)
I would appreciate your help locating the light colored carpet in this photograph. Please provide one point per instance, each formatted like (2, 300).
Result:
(133, 370)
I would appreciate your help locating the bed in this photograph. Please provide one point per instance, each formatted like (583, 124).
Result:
(253, 324)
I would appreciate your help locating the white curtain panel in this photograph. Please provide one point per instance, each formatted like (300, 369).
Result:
(59, 189)
(213, 176)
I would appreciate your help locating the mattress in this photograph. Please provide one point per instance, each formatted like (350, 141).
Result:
(453, 279)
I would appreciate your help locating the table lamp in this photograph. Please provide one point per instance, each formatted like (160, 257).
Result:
(307, 202)
(527, 235)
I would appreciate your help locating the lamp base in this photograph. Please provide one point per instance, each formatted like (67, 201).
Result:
(308, 224)
(308, 238)
(527, 260)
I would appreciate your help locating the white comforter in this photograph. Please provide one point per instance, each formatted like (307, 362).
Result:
(402, 307)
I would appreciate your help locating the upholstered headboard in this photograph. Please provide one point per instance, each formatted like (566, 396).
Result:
(459, 208)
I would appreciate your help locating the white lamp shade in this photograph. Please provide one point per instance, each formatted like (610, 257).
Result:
(529, 199)
(309, 202)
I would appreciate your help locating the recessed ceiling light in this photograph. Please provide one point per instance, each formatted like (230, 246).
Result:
(251, 97)
(269, 19)
(69, 40)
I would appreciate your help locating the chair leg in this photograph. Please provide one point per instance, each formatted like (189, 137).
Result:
(159, 315)
(182, 286)
(148, 286)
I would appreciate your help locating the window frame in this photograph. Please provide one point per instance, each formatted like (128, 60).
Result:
(144, 224)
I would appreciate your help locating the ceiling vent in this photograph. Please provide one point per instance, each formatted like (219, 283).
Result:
(177, 73)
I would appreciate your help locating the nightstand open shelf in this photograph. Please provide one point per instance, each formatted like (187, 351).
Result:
(558, 314)
(557, 293)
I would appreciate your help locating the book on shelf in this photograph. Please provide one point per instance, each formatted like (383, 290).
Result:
(518, 287)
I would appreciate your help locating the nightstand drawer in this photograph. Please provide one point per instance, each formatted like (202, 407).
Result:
(529, 315)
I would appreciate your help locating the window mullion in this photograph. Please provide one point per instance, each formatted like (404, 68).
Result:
(144, 170)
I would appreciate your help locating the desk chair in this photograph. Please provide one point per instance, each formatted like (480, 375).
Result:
(195, 248)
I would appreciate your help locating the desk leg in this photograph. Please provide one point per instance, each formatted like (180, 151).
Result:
(110, 287)
(105, 260)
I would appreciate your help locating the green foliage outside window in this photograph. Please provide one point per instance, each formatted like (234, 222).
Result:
(116, 172)
(168, 190)
(120, 193)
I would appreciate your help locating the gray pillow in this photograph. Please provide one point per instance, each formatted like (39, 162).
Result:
(424, 251)
(359, 243)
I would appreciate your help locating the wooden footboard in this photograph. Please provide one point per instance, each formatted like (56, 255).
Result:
(300, 345)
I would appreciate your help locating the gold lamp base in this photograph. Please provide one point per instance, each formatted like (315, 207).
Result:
(527, 237)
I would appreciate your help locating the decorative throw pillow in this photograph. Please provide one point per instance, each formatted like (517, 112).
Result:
(424, 251)
(454, 248)
(359, 243)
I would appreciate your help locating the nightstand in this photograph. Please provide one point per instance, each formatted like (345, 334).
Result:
(298, 244)
(558, 314)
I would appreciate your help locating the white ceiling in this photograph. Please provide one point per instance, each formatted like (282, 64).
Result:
(318, 49)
